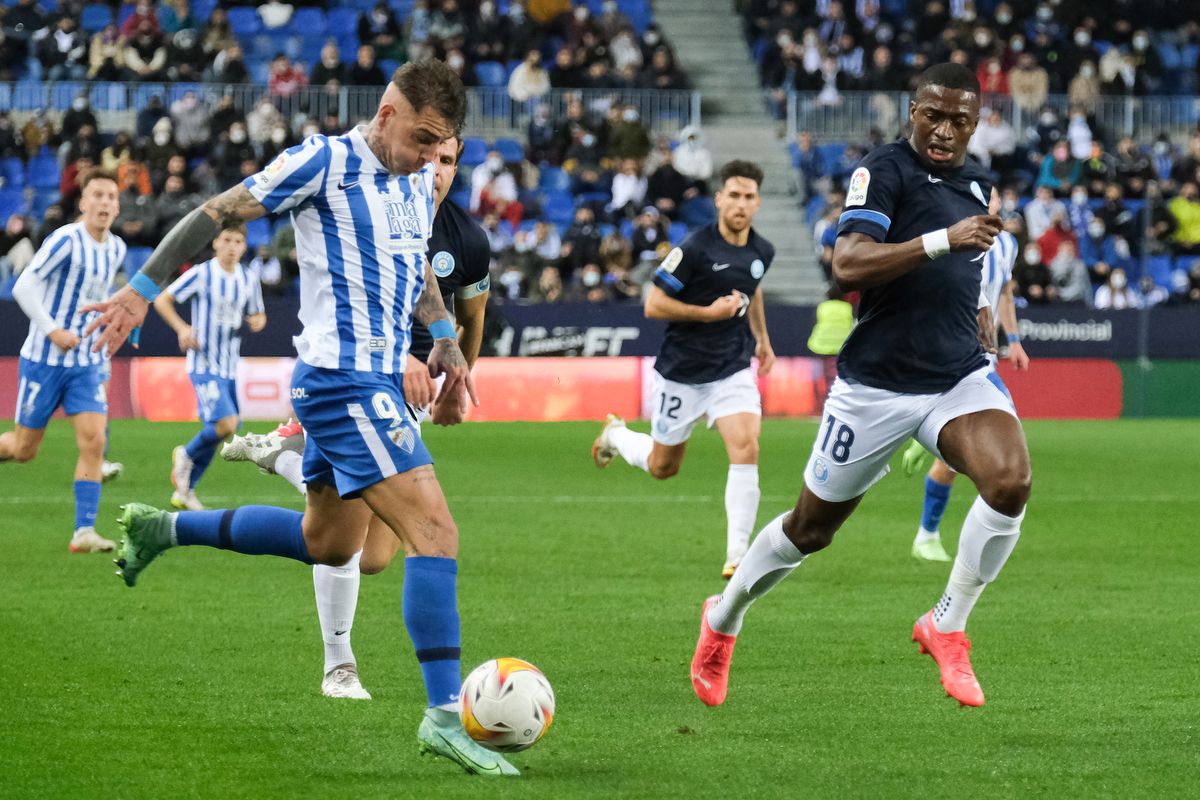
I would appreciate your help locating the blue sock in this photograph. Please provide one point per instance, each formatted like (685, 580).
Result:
(253, 530)
(87, 503)
(200, 450)
(936, 497)
(431, 616)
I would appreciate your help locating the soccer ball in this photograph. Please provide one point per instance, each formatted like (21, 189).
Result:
(507, 704)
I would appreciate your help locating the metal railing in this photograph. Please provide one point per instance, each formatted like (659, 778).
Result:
(851, 116)
(491, 112)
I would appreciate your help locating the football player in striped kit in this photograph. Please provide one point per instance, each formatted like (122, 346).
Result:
(362, 208)
(223, 295)
(61, 363)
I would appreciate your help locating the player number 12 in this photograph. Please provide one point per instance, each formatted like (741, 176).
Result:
(841, 443)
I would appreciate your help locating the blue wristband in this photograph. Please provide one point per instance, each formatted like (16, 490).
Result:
(442, 329)
(144, 285)
(1013, 338)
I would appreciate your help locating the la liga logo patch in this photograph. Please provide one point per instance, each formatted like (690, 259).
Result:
(860, 181)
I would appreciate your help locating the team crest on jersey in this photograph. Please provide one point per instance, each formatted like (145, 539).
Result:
(977, 190)
(274, 168)
(856, 195)
(820, 470)
(403, 437)
(442, 263)
(757, 269)
(671, 262)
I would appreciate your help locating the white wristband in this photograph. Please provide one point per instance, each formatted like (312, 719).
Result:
(936, 243)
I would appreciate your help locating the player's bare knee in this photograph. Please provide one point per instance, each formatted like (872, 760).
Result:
(369, 566)
(1008, 493)
(664, 469)
(806, 535)
(332, 553)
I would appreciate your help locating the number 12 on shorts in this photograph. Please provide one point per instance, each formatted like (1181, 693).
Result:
(840, 450)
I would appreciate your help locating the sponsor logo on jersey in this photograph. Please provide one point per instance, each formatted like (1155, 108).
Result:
(442, 263)
(403, 437)
(719, 267)
(757, 268)
(860, 181)
(343, 186)
(820, 470)
(934, 180)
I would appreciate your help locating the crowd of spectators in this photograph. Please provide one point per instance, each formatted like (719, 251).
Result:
(1103, 220)
(1022, 50)
(182, 40)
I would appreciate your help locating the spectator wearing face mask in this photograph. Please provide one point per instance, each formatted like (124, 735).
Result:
(1059, 171)
(1116, 294)
(1098, 171)
(1079, 213)
(77, 116)
(628, 191)
(191, 118)
(366, 71)
(992, 78)
(1084, 89)
(1133, 167)
(1028, 83)
(628, 137)
(230, 151)
(1151, 293)
(149, 115)
(1033, 277)
(588, 286)
(63, 52)
(1116, 216)
(380, 29)
(1059, 231)
(1070, 276)
(994, 142)
(692, 158)
(494, 190)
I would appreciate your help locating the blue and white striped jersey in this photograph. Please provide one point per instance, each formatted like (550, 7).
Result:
(360, 242)
(221, 300)
(998, 265)
(75, 271)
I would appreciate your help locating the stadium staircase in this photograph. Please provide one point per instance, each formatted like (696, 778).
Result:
(708, 41)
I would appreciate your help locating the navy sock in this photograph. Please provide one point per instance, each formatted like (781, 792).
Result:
(253, 530)
(936, 497)
(431, 616)
(87, 503)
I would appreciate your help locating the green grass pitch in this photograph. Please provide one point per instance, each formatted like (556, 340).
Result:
(203, 681)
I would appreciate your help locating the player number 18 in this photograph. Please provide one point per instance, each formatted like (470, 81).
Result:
(840, 451)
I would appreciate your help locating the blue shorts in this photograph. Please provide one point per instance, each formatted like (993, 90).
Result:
(41, 389)
(358, 425)
(216, 398)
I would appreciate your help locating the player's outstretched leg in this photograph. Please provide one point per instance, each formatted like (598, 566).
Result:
(927, 545)
(252, 530)
(988, 537)
(336, 590)
(770, 559)
(89, 437)
(616, 439)
(280, 452)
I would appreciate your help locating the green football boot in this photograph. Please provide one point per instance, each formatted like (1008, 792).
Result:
(929, 548)
(441, 733)
(147, 533)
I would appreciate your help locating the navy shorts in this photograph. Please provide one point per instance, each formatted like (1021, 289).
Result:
(358, 425)
(41, 389)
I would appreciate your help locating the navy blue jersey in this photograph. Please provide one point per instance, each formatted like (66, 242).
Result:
(917, 334)
(708, 267)
(460, 256)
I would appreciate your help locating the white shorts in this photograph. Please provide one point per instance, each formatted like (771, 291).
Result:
(862, 427)
(679, 406)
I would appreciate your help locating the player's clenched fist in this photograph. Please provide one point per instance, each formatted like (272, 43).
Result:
(974, 233)
(726, 307)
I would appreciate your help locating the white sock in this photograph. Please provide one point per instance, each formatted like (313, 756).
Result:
(289, 465)
(987, 539)
(634, 447)
(770, 559)
(337, 597)
(924, 535)
(741, 508)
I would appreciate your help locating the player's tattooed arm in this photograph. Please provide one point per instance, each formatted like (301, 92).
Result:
(198, 229)
(446, 357)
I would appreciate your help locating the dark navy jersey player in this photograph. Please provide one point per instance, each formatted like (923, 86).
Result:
(918, 332)
(911, 237)
(707, 290)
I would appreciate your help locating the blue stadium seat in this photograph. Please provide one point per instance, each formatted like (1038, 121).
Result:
(142, 93)
(62, 93)
(389, 66)
(109, 97)
(258, 233)
(307, 21)
(593, 199)
(28, 96)
(341, 22)
(95, 16)
(136, 258)
(125, 12)
(697, 212)
(1159, 268)
(676, 233)
(510, 150)
(244, 22)
(202, 9)
(43, 172)
(461, 197)
(12, 171)
(491, 73)
(474, 152)
(260, 71)
(43, 199)
(626, 229)
(6, 289)
(178, 90)
(559, 208)
(554, 179)
(12, 201)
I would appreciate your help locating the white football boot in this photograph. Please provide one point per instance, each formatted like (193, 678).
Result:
(343, 682)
